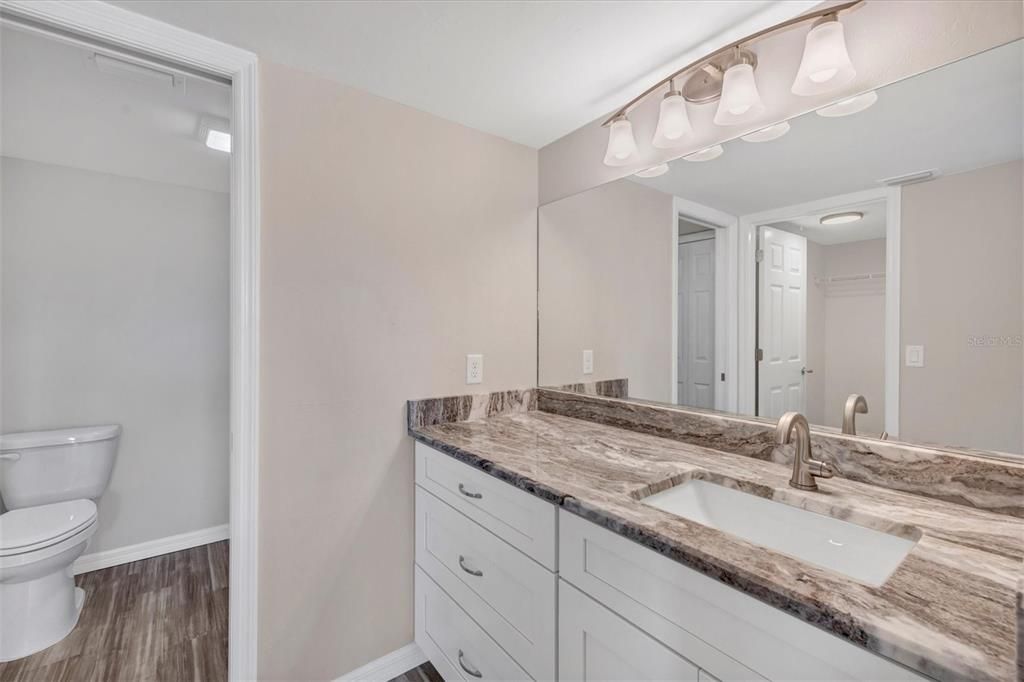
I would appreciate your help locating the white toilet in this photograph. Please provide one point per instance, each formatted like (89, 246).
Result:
(49, 481)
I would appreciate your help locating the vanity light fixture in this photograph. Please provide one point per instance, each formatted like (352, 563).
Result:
(826, 64)
(673, 121)
(841, 218)
(849, 106)
(621, 143)
(768, 134)
(740, 101)
(727, 76)
(705, 154)
(653, 171)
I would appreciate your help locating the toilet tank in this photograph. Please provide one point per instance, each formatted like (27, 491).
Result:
(41, 467)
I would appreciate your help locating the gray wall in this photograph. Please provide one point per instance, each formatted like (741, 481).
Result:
(393, 244)
(962, 240)
(115, 310)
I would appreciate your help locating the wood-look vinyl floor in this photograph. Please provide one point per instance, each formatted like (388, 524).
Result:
(164, 618)
(424, 673)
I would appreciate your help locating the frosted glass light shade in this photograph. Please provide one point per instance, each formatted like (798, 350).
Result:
(826, 64)
(849, 106)
(767, 134)
(621, 143)
(673, 122)
(653, 171)
(740, 102)
(706, 154)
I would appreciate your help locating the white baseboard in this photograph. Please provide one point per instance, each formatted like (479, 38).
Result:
(387, 666)
(152, 548)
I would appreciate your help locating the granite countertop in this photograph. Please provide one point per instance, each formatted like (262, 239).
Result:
(948, 611)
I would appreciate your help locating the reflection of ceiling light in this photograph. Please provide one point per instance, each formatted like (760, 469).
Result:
(215, 133)
(653, 171)
(849, 106)
(706, 154)
(826, 64)
(621, 143)
(841, 218)
(767, 134)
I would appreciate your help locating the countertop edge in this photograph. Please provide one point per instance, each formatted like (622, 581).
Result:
(814, 613)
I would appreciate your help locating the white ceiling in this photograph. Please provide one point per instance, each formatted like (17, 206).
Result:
(530, 72)
(59, 108)
(871, 226)
(955, 118)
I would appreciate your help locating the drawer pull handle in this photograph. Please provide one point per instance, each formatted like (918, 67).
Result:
(472, 671)
(462, 565)
(475, 496)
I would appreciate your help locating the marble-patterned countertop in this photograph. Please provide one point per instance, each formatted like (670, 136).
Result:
(948, 611)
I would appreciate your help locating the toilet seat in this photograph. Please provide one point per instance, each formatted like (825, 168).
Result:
(31, 529)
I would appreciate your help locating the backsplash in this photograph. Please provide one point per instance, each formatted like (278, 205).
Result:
(993, 485)
(609, 388)
(461, 408)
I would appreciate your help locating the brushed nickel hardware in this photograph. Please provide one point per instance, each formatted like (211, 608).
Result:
(804, 371)
(472, 671)
(855, 404)
(462, 565)
(475, 496)
(704, 89)
(805, 469)
(884, 435)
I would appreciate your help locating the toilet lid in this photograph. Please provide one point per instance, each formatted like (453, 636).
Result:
(23, 530)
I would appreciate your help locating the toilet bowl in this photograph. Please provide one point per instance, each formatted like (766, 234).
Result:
(40, 602)
(49, 480)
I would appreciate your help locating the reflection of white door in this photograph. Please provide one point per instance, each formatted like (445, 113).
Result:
(697, 323)
(781, 328)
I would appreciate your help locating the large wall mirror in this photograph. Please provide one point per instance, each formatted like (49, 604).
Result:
(872, 248)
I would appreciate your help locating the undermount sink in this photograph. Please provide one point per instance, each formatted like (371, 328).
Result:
(864, 554)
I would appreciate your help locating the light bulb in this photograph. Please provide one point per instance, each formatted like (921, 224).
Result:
(673, 122)
(826, 64)
(740, 100)
(621, 144)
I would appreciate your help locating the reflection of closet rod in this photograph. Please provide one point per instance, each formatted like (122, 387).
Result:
(836, 279)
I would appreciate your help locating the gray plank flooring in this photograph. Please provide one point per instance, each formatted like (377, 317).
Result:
(164, 618)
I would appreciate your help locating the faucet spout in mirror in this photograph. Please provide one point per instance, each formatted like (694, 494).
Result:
(855, 404)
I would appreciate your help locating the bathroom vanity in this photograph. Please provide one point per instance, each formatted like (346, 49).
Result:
(551, 546)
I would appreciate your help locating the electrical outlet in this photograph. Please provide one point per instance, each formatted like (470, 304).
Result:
(474, 369)
(588, 362)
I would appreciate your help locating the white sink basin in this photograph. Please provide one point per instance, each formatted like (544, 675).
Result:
(864, 554)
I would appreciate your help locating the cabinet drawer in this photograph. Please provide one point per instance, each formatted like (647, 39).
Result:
(713, 625)
(520, 519)
(596, 644)
(510, 595)
(458, 647)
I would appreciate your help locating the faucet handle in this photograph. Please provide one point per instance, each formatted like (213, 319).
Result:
(820, 469)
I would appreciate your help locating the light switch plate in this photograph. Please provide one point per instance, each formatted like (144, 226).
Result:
(474, 369)
(588, 362)
(915, 356)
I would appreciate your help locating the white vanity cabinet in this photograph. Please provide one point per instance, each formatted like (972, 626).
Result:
(509, 586)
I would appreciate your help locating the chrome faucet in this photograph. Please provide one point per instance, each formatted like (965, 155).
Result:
(855, 405)
(805, 469)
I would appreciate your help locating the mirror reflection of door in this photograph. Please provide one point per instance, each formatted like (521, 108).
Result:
(696, 347)
(782, 329)
(821, 315)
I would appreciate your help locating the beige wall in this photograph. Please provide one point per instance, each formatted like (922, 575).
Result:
(393, 243)
(961, 278)
(888, 41)
(606, 285)
(115, 310)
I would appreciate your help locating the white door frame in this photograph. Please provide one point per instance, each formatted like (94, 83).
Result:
(726, 226)
(747, 283)
(135, 33)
